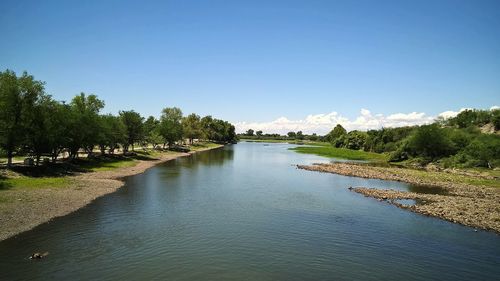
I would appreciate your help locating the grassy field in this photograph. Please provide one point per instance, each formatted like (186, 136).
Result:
(107, 165)
(25, 182)
(327, 150)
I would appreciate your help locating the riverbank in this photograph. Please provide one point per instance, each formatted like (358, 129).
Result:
(24, 208)
(327, 150)
(471, 199)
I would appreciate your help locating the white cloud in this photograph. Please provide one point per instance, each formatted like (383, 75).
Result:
(323, 123)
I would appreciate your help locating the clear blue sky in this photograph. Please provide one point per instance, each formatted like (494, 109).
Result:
(258, 60)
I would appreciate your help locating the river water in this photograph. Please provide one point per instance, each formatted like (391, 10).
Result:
(244, 212)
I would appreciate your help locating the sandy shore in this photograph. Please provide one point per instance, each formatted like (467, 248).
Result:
(473, 205)
(26, 208)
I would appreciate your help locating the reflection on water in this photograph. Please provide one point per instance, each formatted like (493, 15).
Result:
(245, 212)
(210, 157)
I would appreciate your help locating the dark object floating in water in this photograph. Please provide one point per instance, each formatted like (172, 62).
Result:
(38, 256)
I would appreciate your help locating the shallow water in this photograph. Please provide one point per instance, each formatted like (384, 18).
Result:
(245, 212)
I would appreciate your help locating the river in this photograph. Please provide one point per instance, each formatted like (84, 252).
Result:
(244, 212)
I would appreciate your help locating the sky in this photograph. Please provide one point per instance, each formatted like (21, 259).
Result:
(273, 65)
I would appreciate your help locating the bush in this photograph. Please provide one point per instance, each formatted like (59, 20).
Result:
(430, 141)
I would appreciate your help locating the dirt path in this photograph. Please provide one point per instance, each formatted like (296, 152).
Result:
(26, 208)
(468, 204)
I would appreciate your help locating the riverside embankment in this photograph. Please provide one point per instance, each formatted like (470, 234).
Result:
(470, 199)
(24, 208)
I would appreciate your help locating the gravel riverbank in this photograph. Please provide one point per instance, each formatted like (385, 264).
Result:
(24, 209)
(466, 201)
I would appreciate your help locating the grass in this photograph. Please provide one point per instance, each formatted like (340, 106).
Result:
(327, 150)
(34, 182)
(111, 165)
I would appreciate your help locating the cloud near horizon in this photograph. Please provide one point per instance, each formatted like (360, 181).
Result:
(323, 123)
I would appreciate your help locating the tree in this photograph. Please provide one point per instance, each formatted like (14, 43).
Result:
(484, 151)
(170, 125)
(83, 123)
(18, 96)
(336, 133)
(354, 140)
(191, 127)
(259, 134)
(151, 131)
(46, 131)
(430, 141)
(208, 127)
(313, 137)
(495, 118)
(300, 135)
(291, 135)
(133, 127)
(249, 132)
(112, 133)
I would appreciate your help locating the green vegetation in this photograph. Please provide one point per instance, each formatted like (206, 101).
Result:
(34, 125)
(107, 164)
(468, 140)
(34, 182)
(329, 151)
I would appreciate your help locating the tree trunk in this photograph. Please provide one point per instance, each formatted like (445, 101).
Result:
(9, 158)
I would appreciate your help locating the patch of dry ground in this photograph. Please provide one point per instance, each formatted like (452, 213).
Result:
(24, 209)
(474, 205)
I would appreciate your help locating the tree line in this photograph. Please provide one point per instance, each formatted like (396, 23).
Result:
(259, 135)
(33, 123)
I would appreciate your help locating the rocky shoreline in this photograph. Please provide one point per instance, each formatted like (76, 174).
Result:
(471, 205)
(28, 208)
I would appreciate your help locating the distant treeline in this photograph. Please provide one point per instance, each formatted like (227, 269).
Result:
(259, 135)
(470, 139)
(33, 123)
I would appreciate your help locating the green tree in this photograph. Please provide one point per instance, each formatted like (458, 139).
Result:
(152, 132)
(112, 133)
(291, 135)
(259, 134)
(300, 135)
(249, 132)
(430, 141)
(170, 125)
(46, 131)
(84, 125)
(208, 126)
(134, 128)
(495, 118)
(191, 127)
(354, 140)
(18, 96)
(336, 133)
